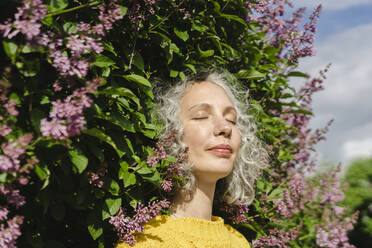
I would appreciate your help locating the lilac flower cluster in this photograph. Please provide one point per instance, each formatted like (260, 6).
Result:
(159, 154)
(126, 226)
(305, 194)
(237, 213)
(67, 59)
(95, 178)
(173, 169)
(292, 200)
(88, 39)
(8, 104)
(333, 233)
(277, 238)
(140, 12)
(12, 151)
(10, 231)
(285, 33)
(303, 138)
(67, 117)
(26, 20)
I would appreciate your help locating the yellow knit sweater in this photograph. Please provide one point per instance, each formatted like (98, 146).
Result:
(188, 232)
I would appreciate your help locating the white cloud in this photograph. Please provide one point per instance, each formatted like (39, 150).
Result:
(357, 148)
(331, 4)
(348, 80)
(347, 95)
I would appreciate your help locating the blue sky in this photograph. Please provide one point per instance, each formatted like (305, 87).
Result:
(335, 21)
(344, 39)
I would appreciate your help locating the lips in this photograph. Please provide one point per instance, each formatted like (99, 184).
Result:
(222, 149)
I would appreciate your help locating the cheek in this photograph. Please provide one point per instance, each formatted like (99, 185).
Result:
(194, 136)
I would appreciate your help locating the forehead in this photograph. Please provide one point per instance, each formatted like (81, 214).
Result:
(205, 92)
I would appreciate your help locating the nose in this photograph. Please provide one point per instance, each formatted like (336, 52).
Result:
(222, 127)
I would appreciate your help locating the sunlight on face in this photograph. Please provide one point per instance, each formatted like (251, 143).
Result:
(210, 131)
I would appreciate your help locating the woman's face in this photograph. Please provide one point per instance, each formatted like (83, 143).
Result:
(210, 132)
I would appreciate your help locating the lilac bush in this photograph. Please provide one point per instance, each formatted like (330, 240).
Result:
(80, 151)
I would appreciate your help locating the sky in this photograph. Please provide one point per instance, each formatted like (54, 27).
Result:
(344, 39)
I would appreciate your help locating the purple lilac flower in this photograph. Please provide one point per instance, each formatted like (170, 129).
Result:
(159, 153)
(277, 238)
(67, 117)
(9, 234)
(95, 178)
(16, 199)
(13, 150)
(26, 20)
(126, 226)
(269, 14)
(4, 130)
(167, 185)
(333, 233)
(236, 213)
(10, 107)
(3, 213)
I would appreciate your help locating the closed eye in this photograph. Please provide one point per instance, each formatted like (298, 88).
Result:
(233, 122)
(199, 118)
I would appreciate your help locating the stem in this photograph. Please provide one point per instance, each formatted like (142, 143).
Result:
(225, 5)
(58, 12)
(133, 50)
(165, 18)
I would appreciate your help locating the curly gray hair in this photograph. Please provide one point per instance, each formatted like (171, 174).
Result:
(238, 187)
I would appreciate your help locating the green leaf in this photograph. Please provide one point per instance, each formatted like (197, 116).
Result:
(206, 53)
(121, 91)
(36, 115)
(124, 123)
(70, 27)
(96, 151)
(234, 18)
(113, 205)
(138, 79)
(95, 230)
(58, 4)
(94, 224)
(183, 35)
(275, 194)
(102, 61)
(103, 137)
(123, 10)
(173, 73)
(3, 177)
(249, 74)
(10, 49)
(298, 74)
(79, 160)
(127, 177)
(138, 61)
(114, 187)
(154, 178)
(191, 67)
(43, 172)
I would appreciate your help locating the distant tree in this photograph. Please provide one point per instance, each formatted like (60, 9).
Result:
(359, 197)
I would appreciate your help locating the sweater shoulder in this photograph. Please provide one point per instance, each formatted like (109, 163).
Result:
(238, 238)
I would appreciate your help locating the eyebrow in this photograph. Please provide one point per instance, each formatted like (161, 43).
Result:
(208, 106)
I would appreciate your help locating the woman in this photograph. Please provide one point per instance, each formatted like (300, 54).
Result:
(222, 147)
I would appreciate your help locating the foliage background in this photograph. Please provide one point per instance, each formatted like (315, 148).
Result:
(77, 108)
(358, 196)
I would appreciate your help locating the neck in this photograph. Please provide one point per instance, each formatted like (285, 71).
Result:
(199, 206)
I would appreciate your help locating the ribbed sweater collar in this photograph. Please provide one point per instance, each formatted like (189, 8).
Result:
(196, 227)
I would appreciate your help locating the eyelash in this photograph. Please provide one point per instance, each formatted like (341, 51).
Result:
(201, 118)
